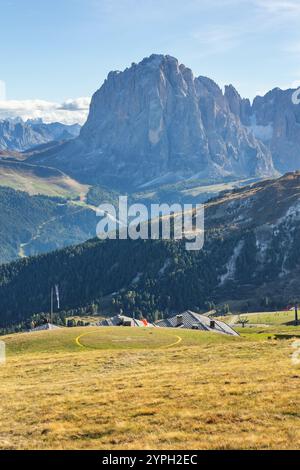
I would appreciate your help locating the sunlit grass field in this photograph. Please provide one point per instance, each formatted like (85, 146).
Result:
(273, 318)
(131, 388)
(39, 180)
(264, 318)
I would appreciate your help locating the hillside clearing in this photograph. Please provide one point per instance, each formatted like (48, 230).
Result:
(40, 180)
(208, 392)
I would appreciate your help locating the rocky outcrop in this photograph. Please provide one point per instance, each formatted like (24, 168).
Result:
(276, 120)
(156, 121)
(273, 119)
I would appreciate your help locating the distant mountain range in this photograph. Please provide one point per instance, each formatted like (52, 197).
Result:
(250, 260)
(17, 135)
(156, 123)
(154, 131)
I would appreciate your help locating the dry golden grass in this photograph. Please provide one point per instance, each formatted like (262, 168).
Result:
(207, 394)
(28, 178)
(262, 318)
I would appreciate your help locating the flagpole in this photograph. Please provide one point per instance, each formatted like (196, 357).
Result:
(51, 311)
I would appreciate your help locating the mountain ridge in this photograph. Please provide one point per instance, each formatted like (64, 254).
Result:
(154, 120)
(18, 135)
(157, 121)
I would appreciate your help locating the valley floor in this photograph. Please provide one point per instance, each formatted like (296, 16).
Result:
(117, 389)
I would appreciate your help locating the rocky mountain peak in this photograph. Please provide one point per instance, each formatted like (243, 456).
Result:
(275, 119)
(156, 121)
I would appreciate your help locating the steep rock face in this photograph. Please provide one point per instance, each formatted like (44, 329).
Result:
(145, 122)
(273, 119)
(17, 135)
(277, 121)
(156, 121)
(232, 148)
(239, 106)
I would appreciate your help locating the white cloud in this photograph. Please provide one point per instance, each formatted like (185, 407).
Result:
(280, 8)
(69, 112)
(79, 104)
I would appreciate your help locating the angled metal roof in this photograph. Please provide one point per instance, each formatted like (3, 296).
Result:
(189, 319)
(46, 326)
(119, 320)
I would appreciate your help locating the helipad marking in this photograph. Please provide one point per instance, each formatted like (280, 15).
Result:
(78, 342)
(179, 339)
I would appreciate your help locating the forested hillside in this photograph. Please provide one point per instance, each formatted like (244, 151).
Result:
(35, 224)
(250, 258)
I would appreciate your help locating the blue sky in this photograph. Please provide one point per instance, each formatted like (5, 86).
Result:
(57, 50)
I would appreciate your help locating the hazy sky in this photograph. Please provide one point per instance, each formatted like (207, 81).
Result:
(57, 50)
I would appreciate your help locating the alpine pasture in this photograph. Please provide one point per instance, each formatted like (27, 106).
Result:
(131, 388)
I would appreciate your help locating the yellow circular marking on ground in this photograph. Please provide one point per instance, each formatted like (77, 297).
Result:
(78, 342)
(179, 339)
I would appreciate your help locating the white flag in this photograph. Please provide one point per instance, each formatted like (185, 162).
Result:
(57, 296)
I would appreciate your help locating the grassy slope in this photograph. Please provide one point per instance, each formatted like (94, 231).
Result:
(263, 318)
(216, 188)
(208, 391)
(40, 180)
